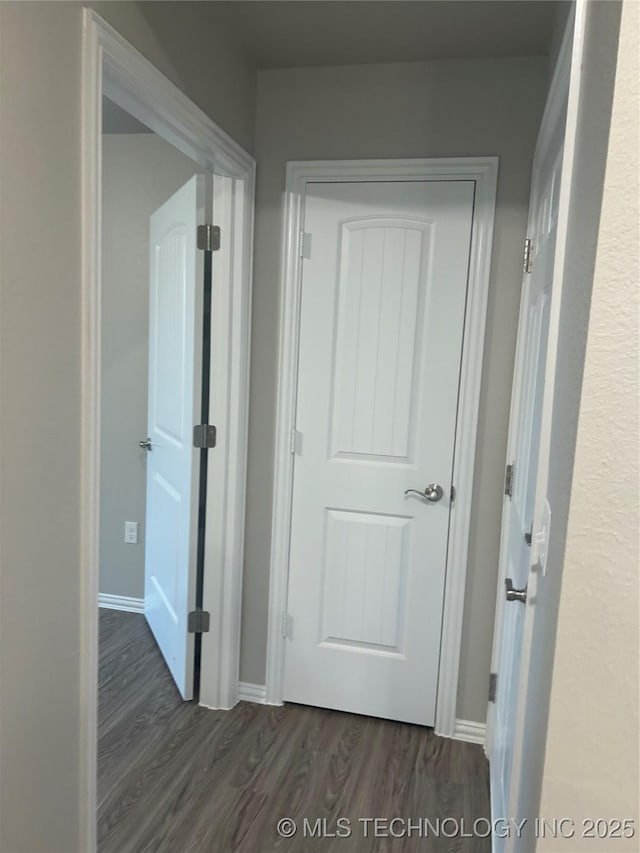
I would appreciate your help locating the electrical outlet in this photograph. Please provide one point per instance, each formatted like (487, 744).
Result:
(131, 532)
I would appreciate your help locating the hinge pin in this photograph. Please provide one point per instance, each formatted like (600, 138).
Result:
(528, 248)
(493, 686)
(204, 436)
(508, 480)
(208, 238)
(198, 622)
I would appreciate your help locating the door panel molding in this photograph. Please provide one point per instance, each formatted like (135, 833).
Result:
(484, 171)
(113, 67)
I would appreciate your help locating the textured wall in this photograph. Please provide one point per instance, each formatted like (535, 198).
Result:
(437, 109)
(139, 173)
(591, 760)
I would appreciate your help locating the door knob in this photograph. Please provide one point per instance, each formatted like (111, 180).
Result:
(515, 594)
(145, 444)
(433, 492)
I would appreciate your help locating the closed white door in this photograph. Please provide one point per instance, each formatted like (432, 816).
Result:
(524, 443)
(384, 285)
(175, 377)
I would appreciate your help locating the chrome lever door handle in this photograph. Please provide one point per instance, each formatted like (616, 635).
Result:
(145, 444)
(433, 492)
(514, 594)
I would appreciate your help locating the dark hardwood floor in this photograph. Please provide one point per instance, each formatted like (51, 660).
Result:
(174, 777)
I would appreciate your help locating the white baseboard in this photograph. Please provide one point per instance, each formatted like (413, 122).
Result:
(121, 602)
(248, 692)
(469, 731)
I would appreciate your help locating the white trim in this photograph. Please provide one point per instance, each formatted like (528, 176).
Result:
(91, 158)
(568, 75)
(557, 102)
(248, 692)
(484, 171)
(139, 88)
(470, 732)
(121, 602)
(114, 67)
(229, 410)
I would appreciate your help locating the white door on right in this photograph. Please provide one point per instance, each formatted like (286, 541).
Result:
(524, 442)
(384, 287)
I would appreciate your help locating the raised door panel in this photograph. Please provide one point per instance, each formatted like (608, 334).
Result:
(168, 295)
(381, 280)
(163, 543)
(364, 581)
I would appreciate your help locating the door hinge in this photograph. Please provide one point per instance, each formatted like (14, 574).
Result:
(198, 622)
(295, 442)
(208, 238)
(204, 436)
(508, 480)
(304, 248)
(286, 625)
(493, 686)
(452, 494)
(527, 260)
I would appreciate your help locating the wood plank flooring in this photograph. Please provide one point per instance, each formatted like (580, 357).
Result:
(174, 777)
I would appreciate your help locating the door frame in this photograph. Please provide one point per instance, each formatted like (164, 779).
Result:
(484, 171)
(565, 93)
(113, 67)
(553, 113)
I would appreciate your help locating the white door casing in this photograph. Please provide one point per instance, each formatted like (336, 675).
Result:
(483, 172)
(524, 513)
(533, 336)
(176, 283)
(111, 66)
(378, 375)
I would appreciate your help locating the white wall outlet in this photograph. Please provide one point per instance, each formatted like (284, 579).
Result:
(131, 532)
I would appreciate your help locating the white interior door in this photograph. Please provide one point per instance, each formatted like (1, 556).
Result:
(175, 376)
(524, 452)
(384, 285)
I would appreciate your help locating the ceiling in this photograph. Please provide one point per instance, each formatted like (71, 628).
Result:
(302, 33)
(298, 33)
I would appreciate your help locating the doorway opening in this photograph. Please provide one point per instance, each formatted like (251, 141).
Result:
(155, 372)
(155, 363)
(168, 220)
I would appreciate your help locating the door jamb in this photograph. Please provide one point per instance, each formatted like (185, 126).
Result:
(484, 171)
(556, 111)
(112, 66)
(566, 86)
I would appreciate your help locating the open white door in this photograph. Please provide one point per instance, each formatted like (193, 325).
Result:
(174, 404)
(522, 518)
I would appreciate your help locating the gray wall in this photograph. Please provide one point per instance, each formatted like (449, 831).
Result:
(139, 173)
(40, 428)
(438, 109)
(40, 354)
